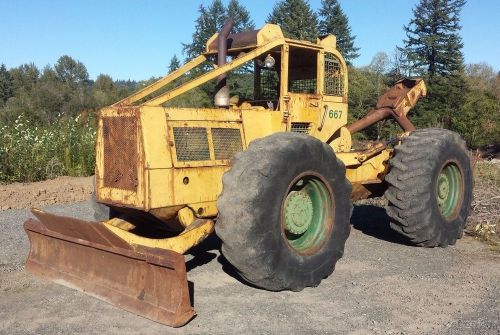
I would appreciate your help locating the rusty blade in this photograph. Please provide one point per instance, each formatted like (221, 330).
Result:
(85, 255)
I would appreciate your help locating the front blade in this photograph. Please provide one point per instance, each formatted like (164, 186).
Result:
(85, 255)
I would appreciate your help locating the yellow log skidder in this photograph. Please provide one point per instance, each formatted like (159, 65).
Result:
(275, 175)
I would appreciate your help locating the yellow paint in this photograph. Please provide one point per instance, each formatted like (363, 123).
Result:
(266, 123)
(186, 216)
(269, 33)
(343, 143)
(369, 170)
(191, 236)
(155, 147)
(206, 209)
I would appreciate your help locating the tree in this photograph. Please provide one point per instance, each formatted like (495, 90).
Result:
(24, 76)
(104, 91)
(479, 119)
(296, 19)
(6, 87)
(379, 63)
(174, 64)
(332, 20)
(71, 71)
(434, 49)
(209, 22)
(433, 41)
(481, 76)
(240, 16)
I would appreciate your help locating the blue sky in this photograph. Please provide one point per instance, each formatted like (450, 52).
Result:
(136, 39)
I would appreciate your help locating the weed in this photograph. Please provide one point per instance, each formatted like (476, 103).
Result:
(30, 152)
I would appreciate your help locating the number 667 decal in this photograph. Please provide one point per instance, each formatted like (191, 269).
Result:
(334, 114)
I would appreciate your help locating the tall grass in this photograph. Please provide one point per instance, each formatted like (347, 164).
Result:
(30, 152)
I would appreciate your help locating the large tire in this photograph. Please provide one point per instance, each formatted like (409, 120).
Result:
(430, 187)
(282, 183)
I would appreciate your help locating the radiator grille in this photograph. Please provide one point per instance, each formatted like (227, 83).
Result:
(227, 142)
(191, 144)
(301, 127)
(120, 152)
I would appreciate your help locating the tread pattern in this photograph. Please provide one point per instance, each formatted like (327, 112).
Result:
(410, 192)
(247, 231)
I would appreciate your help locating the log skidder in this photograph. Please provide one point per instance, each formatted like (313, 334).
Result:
(273, 172)
(430, 187)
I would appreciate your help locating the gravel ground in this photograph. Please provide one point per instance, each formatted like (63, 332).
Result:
(381, 286)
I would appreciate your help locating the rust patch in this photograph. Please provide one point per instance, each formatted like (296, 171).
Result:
(84, 255)
(120, 152)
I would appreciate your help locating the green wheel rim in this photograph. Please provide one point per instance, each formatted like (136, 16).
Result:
(449, 190)
(307, 214)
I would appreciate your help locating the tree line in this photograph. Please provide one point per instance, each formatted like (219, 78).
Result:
(461, 97)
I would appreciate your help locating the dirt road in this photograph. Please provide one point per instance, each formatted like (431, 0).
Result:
(381, 286)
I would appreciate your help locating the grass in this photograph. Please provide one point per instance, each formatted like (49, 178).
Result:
(484, 220)
(30, 152)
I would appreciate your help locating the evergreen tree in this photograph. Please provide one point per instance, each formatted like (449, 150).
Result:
(174, 64)
(434, 49)
(433, 42)
(6, 87)
(240, 16)
(332, 20)
(209, 22)
(296, 19)
(24, 76)
(212, 19)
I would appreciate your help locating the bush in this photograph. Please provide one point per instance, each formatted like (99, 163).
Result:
(31, 152)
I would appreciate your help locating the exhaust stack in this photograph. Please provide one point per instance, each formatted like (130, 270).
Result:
(221, 98)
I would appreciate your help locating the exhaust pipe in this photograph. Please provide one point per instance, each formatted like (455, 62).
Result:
(221, 98)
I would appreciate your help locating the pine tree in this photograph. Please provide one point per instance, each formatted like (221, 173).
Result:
(296, 19)
(209, 22)
(174, 64)
(332, 20)
(433, 49)
(6, 87)
(240, 16)
(433, 42)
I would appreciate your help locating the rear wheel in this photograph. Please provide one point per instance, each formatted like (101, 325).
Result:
(284, 212)
(430, 187)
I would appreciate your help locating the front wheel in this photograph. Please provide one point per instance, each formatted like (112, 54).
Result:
(284, 212)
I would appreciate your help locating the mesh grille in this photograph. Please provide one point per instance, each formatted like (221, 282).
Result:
(120, 152)
(191, 144)
(227, 142)
(302, 86)
(334, 79)
(301, 127)
(269, 84)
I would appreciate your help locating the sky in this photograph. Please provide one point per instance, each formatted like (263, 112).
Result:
(136, 39)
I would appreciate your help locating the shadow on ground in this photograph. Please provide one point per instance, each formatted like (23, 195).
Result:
(374, 221)
(369, 219)
(204, 254)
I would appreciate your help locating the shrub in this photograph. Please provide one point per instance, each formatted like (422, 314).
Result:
(30, 152)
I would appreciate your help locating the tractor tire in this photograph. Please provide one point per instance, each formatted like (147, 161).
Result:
(430, 187)
(284, 212)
